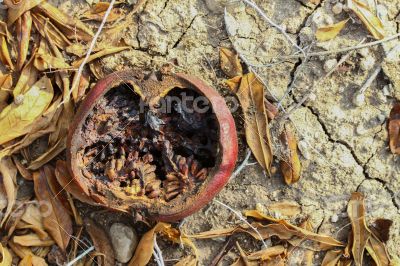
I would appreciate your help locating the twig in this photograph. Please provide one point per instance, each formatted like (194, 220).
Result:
(242, 165)
(83, 254)
(264, 16)
(240, 216)
(342, 50)
(91, 47)
(157, 253)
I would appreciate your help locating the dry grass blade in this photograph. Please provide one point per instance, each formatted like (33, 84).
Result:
(8, 172)
(72, 28)
(251, 96)
(56, 219)
(103, 52)
(23, 30)
(290, 163)
(361, 234)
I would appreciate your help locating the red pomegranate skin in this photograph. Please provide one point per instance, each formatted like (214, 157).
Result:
(228, 145)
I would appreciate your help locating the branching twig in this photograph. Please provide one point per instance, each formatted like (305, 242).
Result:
(240, 216)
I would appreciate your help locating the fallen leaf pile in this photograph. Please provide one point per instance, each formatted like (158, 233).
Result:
(366, 11)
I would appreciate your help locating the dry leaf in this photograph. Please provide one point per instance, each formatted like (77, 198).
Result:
(230, 63)
(25, 173)
(72, 28)
(27, 78)
(17, 8)
(290, 162)
(367, 16)
(98, 11)
(44, 26)
(394, 129)
(6, 83)
(285, 208)
(23, 252)
(267, 254)
(377, 251)
(8, 172)
(16, 118)
(44, 60)
(56, 219)
(32, 240)
(101, 242)
(23, 30)
(6, 258)
(329, 32)
(251, 96)
(33, 220)
(381, 228)
(5, 57)
(103, 52)
(361, 234)
(332, 257)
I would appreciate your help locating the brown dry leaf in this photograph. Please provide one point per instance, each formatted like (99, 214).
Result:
(44, 26)
(33, 220)
(101, 243)
(290, 162)
(285, 208)
(44, 60)
(394, 129)
(364, 11)
(332, 257)
(16, 8)
(268, 253)
(8, 172)
(331, 31)
(6, 83)
(6, 258)
(377, 250)
(103, 52)
(83, 85)
(361, 234)
(98, 11)
(72, 28)
(27, 78)
(23, 252)
(5, 57)
(251, 96)
(97, 70)
(57, 220)
(16, 118)
(25, 173)
(381, 228)
(32, 240)
(230, 63)
(23, 30)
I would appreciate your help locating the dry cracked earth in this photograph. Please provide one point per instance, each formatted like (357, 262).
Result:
(343, 139)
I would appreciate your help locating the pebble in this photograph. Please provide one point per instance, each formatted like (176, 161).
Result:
(329, 64)
(360, 130)
(359, 99)
(19, 99)
(337, 8)
(304, 149)
(364, 52)
(312, 97)
(382, 11)
(124, 240)
(387, 90)
(334, 218)
(381, 118)
(367, 63)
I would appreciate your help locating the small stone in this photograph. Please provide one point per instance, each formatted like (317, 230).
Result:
(367, 63)
(382, 11)
(337, 8)
(364, 52)
(312, 97)
(381, 118)
(387, 90)
(19, 99)
(334, 218)
(304, 149)
(360, 130)
(359, 99)
(124, 240)
(330, 64)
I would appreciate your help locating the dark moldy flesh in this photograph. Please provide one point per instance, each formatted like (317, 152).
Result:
(161, 153)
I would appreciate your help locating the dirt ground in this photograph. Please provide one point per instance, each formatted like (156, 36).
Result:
(343, 142)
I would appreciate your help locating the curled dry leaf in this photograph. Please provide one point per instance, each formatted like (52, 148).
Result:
(6, 83)
(250, 92)
(32, 219)
(332, 257)
(394, 129)
(16, 118)
(6, 258)
(16, 8)
(8, 173)
(5, 37)
(101, 242)
(365, 13)
(230, 63)
(27, 78)
(103, 52)
(23, 30)
(290, 162)
(25, 173)
(56, 219)
(98, 11)
(329, 32)
(24, 252)
(44, 26)
(361, 234)
(45, 60)
(285, 208)
(72, 28)
(32, 240)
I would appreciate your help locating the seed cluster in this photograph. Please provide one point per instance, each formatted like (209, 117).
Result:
(144, 152)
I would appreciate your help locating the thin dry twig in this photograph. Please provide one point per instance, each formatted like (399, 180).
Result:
(242, 165)
(91, 47)
(83, 254)
(240, 216)
(157, 253)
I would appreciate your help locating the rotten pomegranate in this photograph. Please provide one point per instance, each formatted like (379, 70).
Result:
(161, 144)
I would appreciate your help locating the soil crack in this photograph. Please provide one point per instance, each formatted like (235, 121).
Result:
(184, 32)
